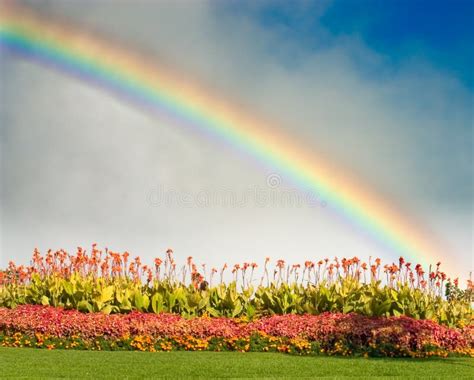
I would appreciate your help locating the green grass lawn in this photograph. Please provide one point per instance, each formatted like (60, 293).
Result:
(35, 363)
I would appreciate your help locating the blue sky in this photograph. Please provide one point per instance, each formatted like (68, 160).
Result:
(440, 32)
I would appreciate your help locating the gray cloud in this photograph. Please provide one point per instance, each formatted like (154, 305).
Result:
(78, 164)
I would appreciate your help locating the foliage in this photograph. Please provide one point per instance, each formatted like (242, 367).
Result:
(110, 283)
(327, 333)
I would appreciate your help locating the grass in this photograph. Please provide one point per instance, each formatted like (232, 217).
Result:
(35, 363)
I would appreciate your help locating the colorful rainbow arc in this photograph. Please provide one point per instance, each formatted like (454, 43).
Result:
(146, 85)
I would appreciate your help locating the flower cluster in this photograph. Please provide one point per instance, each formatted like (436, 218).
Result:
(112, 282)
(327, 333)
(109, 264)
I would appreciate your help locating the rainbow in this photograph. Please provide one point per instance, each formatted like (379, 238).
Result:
(144, 83)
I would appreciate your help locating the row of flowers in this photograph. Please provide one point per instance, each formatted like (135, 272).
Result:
(108, 264)
(328, 333)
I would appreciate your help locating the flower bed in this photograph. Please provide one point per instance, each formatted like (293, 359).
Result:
(112, 282)
(327, 333)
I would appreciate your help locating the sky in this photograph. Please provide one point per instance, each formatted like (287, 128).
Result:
(381, 88)
(436, 31)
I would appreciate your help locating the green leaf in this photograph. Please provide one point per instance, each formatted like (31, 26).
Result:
(107, 309)
(85, 306)
(146, 302)
(237, 309)
(157, 303)
(107, 294)
(347, 309)
(212, 312)
(203, 303)
(68, 287)
(394, 294)
(44, 301)
(138, 299)
(250, 312)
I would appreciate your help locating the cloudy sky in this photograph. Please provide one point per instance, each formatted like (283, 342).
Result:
(383, 90)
